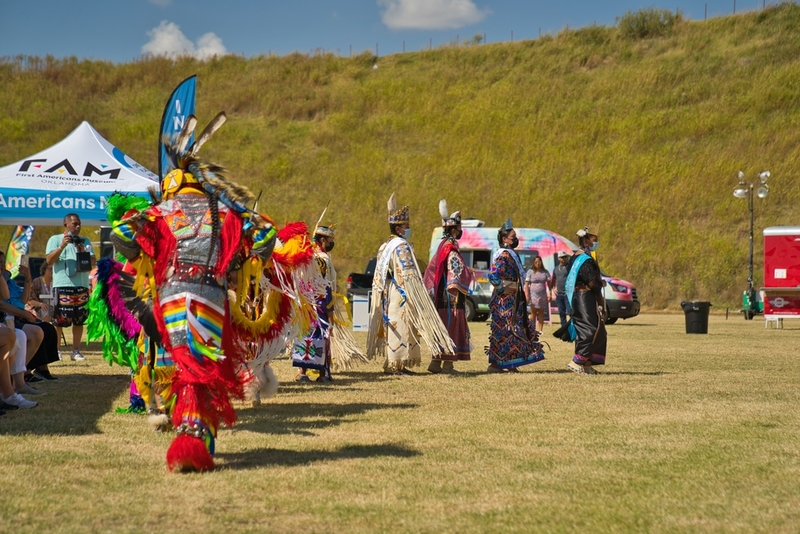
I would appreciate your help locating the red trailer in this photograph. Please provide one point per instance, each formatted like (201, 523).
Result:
(781, 273)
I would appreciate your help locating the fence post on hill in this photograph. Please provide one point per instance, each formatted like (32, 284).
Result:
(734, 7)
(512, 36)
(705, 12)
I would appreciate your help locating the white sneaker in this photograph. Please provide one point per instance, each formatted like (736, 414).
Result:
(29, 390)
(20, 402)
(578, 368)
(76, 356)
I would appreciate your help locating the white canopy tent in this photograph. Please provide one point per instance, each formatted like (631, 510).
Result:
(76, 175)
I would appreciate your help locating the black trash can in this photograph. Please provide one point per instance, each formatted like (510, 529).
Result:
(696, 317)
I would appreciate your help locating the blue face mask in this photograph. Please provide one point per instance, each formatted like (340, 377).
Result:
(594, 246)
(407, 233)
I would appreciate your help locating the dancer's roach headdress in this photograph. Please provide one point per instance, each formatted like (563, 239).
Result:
(454, 219)
(186, 168)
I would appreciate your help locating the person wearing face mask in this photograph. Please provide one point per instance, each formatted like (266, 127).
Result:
(513, 342)
(402, 310)
(447, 279)
(584, 289)
(329, 340)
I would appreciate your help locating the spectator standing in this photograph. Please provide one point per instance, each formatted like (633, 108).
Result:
(537, 282)
(558, 284)
(72, 258)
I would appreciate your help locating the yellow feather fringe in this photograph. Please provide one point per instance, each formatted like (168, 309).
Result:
(162, 380)
(266, 318)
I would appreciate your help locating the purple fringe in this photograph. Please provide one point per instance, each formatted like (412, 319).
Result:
(108, 273)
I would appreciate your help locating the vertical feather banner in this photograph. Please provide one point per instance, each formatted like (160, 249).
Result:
(179, 107)
(17, 246)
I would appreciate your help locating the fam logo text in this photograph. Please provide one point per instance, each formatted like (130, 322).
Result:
(65, 166)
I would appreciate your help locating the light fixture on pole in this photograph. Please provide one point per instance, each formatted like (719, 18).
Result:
(747, 190)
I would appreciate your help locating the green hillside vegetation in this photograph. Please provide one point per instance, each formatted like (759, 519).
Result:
(637, 130)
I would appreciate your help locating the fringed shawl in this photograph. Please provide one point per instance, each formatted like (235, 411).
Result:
(420, 313)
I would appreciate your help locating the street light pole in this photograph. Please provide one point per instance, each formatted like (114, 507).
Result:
(751, 293)
(743, 190)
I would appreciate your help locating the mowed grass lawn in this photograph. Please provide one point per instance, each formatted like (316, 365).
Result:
(680, 433)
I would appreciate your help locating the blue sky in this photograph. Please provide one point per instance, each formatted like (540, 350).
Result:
(123, 30)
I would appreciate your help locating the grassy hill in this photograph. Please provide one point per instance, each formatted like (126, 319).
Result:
(640, 136)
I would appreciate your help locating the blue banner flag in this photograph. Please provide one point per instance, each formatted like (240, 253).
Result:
(179, 106)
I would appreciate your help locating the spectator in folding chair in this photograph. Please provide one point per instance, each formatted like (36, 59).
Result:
(10, 399)
(41, 347)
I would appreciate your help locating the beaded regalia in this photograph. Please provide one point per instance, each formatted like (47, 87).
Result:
(448, 279)
(328, 342)
(402, 311)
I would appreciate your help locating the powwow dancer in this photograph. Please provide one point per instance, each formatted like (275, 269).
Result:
(272, 304)
(512, 341)
(328, 342)
(585, 293)
(402, 310)
(448, 278)
(185, 245)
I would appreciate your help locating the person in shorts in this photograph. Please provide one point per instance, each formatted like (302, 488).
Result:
(72, 258)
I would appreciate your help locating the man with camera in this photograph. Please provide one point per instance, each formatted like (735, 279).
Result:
(72, 258)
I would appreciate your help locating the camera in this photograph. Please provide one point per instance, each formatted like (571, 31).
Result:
(76, 240)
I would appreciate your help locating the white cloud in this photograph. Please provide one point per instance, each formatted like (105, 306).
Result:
(430, 14)
(161, 3)
(208, 46)
(167, 39)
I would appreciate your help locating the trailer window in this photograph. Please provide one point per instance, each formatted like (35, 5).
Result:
(480, 259)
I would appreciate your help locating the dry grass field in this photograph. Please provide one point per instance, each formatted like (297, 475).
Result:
(680, 433)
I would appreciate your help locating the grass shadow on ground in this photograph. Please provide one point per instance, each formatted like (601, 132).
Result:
(68, 409)
(303, 418)
(313, 387)
(259, 458)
